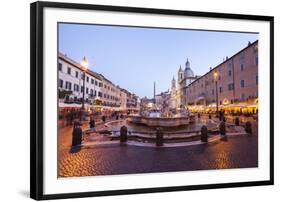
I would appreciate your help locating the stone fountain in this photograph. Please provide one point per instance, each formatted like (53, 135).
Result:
(164, 118)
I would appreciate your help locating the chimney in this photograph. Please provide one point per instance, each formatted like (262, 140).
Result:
(249, 43)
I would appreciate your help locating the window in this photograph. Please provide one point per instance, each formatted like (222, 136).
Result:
(242, 67)
(95, 93)
(87, 90)
(92, 81)
(257, 80)
(61, 83)
(68, 70)
(60, 66)
(87, 79)
(76, 87)
(92, 92)
(230, 86)
(76, 74)
(229, 65)
(96, 83)
(220, 89)
(100, 94)
(82, 89)
(242, 96)
(242, 83)
(242, 56)
(229, 72)
(255, 49)
(100, 84)
(68, 85)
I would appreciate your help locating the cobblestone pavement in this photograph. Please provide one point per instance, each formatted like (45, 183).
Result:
(65, 134)
(236, 152)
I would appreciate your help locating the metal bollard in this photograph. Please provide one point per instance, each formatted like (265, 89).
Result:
(123, 134)
(159, 138)
(248, 128)
(76, 134)
(222, 129)
(204, 134)
(237, 121)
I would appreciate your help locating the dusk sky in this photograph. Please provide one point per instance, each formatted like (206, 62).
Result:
(134, 58)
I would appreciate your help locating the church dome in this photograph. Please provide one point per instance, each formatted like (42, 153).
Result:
(188, 71)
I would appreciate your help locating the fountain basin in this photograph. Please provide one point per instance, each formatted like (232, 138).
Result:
(160, 121)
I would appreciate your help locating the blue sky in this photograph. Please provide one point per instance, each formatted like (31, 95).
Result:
(134, 58)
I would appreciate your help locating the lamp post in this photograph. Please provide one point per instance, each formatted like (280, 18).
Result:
(84, 64)
(217, 100)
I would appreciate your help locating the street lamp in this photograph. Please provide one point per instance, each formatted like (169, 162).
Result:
(84, 64)
(217, 100)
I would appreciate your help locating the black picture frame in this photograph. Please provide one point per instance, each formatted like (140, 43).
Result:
(36, 98)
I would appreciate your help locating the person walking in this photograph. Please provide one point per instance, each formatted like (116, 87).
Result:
(92, 125)
(103, 118)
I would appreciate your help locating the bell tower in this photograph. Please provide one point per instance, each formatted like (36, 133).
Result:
(180, 74)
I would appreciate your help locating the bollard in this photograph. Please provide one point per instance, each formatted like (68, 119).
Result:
(204, 134)
(222, 130)
(123, 134)
(159, 138)
(248, 128)
(237, 122)
(76, 134)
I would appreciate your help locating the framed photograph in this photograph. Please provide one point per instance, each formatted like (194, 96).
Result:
(131, 100)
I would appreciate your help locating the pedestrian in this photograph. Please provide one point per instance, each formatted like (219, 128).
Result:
(103, 118)
(92, 123)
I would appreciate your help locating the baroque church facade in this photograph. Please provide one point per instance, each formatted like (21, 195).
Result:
(185, 77)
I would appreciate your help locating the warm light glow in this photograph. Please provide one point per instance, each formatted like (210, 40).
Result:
(225, 101)
(216, 75)
(84, 63)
